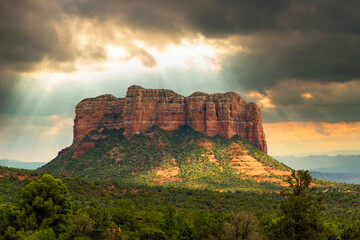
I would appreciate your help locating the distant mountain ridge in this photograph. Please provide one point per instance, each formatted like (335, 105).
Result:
(324, 163)
(339, 168)
(21, 164)
(336, 177)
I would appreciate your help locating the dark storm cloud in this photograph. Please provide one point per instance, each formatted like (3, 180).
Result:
(158, 16)
(291, 93)
(286, 39)
(34, 30)
(313, 101)
(282, 39)
(246, 16)
(322, 15)
(306, 56)
(27, 34)
(311, 114)
(300, 39)
(213, 18)
(223, 17)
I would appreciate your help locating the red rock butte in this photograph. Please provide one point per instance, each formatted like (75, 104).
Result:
(212, 114)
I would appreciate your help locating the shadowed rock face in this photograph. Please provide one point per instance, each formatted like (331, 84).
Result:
(213, 114)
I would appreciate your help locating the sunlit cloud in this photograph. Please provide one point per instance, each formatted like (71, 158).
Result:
(136, 58)
(262, 100)
(307, 95)
(311, 137)
(187, 55)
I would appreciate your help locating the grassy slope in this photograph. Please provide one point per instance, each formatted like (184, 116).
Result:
(137, 159)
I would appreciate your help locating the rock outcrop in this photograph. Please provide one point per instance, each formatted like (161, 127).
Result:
(212, 114)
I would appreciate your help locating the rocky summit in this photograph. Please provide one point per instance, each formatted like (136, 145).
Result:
(219, 114)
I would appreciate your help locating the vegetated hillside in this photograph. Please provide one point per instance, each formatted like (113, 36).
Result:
(182, 157)
(20, 164)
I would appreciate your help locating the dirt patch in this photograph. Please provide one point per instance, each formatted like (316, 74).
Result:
(21, 177)
(166, 175)
(279, 172)
(279, 181)
(243, 163)
(248, 165)
(169, 172)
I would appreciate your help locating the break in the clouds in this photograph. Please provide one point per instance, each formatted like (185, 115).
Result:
(299, 60)
(283, 39)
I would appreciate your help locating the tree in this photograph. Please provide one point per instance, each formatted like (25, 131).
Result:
(352, 232)
(8, 221)
(83, 224)
(186, 231)
(301, 211)
(240, 226)
(46, 204)
(42, 234)
(101, 218)
(170, 227)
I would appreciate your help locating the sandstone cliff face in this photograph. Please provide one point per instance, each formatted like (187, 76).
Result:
(102, 111)
(213, 114)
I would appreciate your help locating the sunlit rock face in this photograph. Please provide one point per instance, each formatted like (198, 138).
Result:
(212, 114)
(93, 112)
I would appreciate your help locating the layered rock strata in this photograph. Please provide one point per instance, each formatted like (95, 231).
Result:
(212, 114)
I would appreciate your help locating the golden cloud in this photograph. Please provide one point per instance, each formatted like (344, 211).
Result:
(262, 100)
(311, 137)
(307, 95)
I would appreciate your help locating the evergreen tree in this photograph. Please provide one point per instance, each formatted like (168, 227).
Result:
(186, 232)
(301, 211)
(46, 204)
(352, 232)
(170, 223)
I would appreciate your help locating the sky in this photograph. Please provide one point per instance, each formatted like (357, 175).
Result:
(298, 60)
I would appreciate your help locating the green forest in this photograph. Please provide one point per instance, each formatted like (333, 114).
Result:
(39, 206)
(113, 191)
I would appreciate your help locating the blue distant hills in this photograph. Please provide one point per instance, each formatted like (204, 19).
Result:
(20, 164)
(339, 168)
(353, 178)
